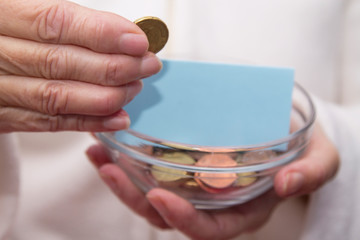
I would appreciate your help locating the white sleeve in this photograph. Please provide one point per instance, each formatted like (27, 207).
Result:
(334, 210)
(9, 183)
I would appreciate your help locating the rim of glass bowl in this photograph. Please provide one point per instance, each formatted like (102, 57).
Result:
(108, 138)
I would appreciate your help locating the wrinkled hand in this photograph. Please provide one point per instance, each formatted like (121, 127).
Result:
(67, 67)
(166, 210)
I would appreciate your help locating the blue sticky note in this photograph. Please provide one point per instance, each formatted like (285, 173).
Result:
(214, 104)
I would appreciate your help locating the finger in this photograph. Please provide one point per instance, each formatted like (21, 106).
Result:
(181, 214)
(122, 187)
(17, 119)
(67, 62)
(221, 224)
(63, 22)
(319, 164)
(97, 155)
(130, 195)
(65, 97)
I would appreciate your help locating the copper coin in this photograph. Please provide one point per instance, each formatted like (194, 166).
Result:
(216, 180)
(156, 32)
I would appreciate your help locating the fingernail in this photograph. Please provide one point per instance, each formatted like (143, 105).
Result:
(157, 203)
(293, 183)
(119, 121)
(134, 44)
(150, 65)
(111, 183)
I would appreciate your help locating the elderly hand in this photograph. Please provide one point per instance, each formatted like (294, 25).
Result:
(67, 67)
(166, 210)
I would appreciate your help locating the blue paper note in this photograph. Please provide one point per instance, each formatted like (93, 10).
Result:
(214, 104)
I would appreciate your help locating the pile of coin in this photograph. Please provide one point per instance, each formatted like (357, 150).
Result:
(211, 182)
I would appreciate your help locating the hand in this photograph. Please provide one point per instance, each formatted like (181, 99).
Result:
(166, 210)
(67, 67)
(318, 165)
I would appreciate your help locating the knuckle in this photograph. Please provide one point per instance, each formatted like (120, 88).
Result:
(99, 29)
(53, 98)
(61, 123)
(50, 22)
(42, 122)
(53, 123)
(54, 63)
(111, 102)
(94, 28)
(80, 123)
(110, 106)
(113, 72)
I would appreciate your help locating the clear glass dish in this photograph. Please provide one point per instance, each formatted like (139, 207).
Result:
(236, 175)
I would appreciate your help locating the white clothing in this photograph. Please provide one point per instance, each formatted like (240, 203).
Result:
(61, 196)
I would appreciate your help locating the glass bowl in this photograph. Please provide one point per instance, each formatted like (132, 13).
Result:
(211, 177)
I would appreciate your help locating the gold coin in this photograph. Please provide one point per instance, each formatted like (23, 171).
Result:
(156, 31)
(167, 174)
(164, 174)
(178, 157)
(245, 179)
(192, 184)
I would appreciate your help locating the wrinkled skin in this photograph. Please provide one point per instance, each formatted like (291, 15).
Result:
(66, 67)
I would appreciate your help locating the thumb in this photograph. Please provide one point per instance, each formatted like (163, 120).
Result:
(319, 164)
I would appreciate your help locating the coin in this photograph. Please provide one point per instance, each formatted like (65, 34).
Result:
(215, 180)
(258, 156)
(239, 158)
(245, 179)
(191, 184)
(156, 32)
(167, 174)
(178, 157)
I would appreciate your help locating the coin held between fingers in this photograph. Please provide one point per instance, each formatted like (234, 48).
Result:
(156, 31)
